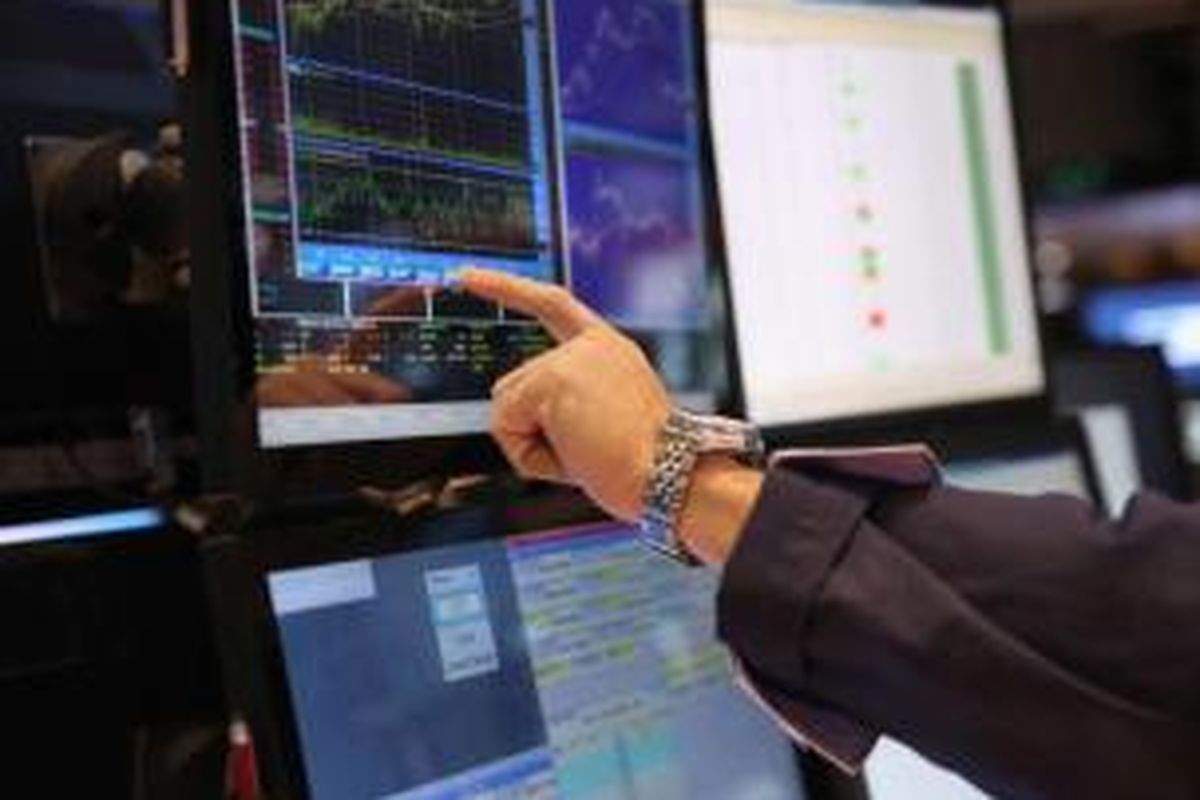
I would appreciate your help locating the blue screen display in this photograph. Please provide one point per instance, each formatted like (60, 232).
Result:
(630, 128)
(625, 65)
(566, 665)
(1166, 315)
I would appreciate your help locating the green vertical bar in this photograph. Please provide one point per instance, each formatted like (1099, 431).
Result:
(986, 238)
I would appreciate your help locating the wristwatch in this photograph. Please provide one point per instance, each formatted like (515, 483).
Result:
(683, 440)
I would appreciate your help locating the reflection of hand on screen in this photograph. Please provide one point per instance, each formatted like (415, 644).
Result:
(402, 301)
(324, 381)
(318, 383)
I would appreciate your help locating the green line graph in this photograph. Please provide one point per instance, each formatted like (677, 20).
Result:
(410, 205)
(417, 143)
(438, 16)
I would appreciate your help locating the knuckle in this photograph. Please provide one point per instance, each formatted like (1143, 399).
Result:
(558, 295)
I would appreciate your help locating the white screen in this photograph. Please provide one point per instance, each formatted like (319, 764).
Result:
(872, 209)
(1049, 473)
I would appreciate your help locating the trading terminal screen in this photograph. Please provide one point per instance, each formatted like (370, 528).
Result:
(565, 664)
(388, 143)
(869, 187)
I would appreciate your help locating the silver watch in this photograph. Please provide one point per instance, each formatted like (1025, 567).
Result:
(683, 440)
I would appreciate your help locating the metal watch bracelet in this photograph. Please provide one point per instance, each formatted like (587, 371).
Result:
(675, 457)
(683, 439)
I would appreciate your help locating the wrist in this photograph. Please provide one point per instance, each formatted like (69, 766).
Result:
(719, 502)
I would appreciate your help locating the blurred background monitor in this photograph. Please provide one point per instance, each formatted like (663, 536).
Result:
(1165, 316)
(873, 213)
(1126, 400)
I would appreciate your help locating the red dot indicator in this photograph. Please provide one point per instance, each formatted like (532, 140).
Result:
(878, 320)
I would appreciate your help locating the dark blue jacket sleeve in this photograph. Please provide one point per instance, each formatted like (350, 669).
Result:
(1033, 647)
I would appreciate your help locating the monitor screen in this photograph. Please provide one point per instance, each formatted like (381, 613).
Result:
(1161, 315)
(1055, 471)
(873, 215)
(386, 145)
(1127, 401)
(563, 664)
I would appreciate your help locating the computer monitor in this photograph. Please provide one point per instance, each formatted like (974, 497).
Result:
(1024, 460)
(380, 147)
(563, 662)
(1165, 315)
(1130, 410)
(872, 207)
(1051, 472)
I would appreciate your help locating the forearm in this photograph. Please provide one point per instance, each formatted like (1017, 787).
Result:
(967, 625)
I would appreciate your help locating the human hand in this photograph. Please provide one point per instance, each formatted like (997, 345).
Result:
(588, 412)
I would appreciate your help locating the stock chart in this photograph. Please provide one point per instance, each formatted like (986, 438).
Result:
(387, 143)
(635, 217)
(624, 64)
(633, 190)
(414, 126)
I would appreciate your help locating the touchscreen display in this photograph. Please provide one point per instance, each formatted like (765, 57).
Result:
(565, 664)
(386, 144)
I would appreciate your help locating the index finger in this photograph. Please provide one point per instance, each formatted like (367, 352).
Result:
(553, 306)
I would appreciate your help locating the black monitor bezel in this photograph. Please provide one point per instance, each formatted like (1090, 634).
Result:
(1145, 370)
(236, 567)
(1021, 438)
(917, 423)
(232, 459)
